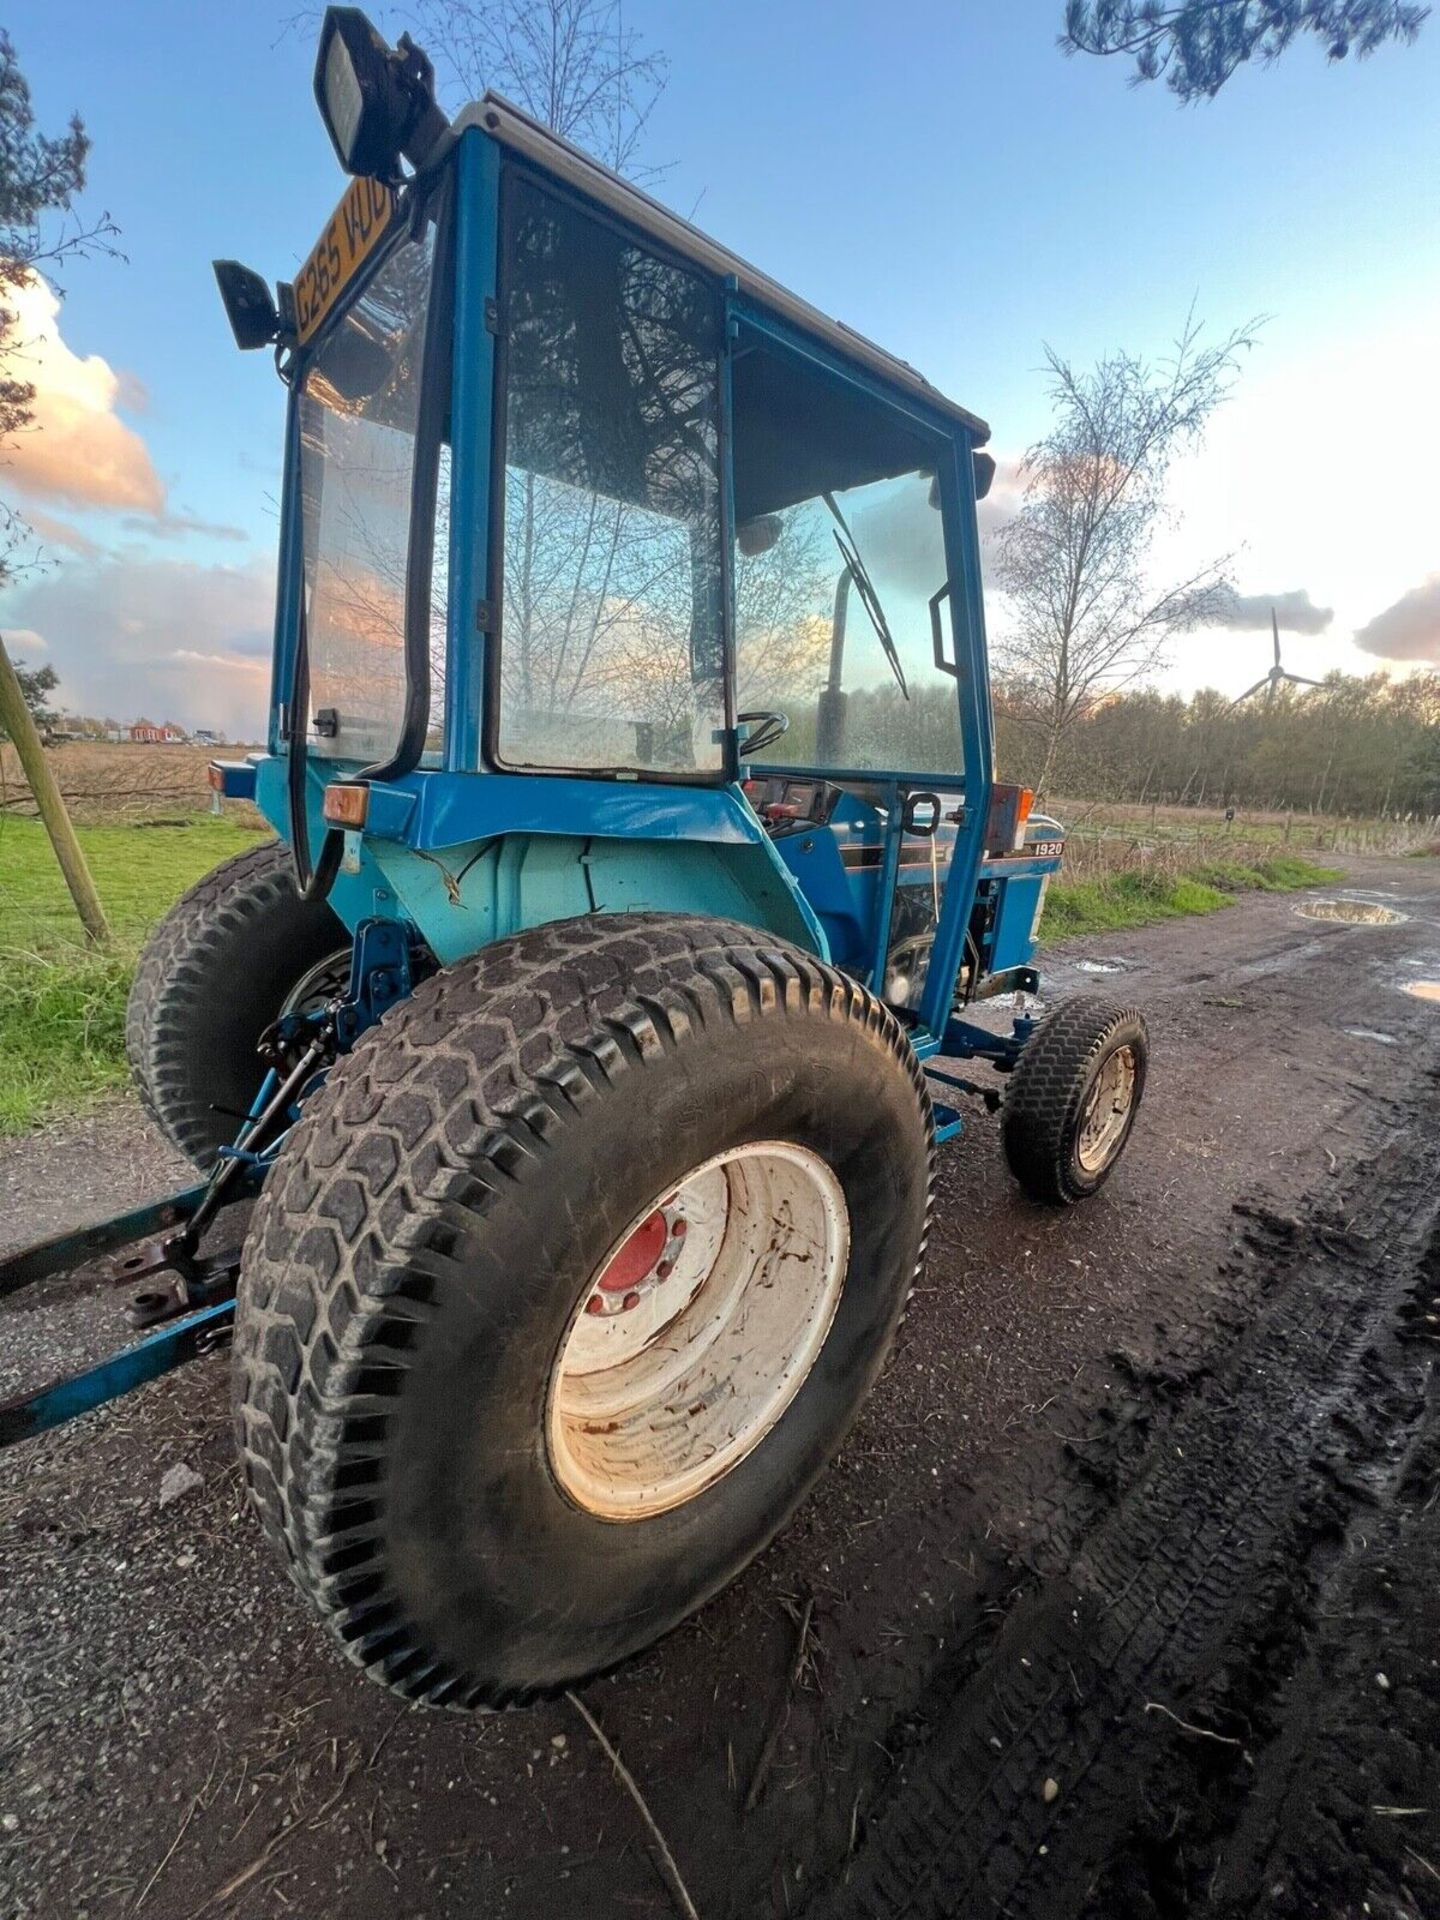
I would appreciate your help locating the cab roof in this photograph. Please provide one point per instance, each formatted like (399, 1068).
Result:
(515, 128)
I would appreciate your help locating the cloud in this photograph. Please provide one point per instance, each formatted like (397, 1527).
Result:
(172, 639)
(1294, 610)
(175, 526)
(77, 450)
(902, 545)
(1004, 500)
(59, 533)
(1408, 630)
(20, 641)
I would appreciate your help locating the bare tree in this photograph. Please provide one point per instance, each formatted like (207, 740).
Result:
(573, 64)
(1196, 46)
(1084, 614)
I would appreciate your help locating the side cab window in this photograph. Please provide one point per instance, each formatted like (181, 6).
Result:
(611, 649)
(839, 554)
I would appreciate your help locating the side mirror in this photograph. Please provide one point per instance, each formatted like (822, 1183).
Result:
(984, 473)
(757, 536)
(249, 307)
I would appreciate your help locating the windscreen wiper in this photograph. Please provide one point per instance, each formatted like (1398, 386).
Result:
(850, 554)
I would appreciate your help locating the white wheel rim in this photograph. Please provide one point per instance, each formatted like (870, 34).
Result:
(1107, 1111)
(682, 1369)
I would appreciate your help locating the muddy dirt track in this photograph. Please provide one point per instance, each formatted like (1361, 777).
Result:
(1123, 1598)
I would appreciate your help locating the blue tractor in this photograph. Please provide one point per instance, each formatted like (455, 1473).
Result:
(640, 874)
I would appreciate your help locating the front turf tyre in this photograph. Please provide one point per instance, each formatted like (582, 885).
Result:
(233, 953)
(1073, 1098)
(565, 1288)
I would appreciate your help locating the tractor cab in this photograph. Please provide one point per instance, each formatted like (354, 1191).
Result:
(613, 574)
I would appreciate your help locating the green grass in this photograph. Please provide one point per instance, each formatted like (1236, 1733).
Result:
(62, 1004)
(1135, 899)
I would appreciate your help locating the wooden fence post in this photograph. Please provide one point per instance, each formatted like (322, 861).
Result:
(18, 721)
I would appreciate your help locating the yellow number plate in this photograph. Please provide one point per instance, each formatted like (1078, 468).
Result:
(347, 242)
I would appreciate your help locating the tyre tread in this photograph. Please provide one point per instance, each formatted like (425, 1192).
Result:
(194, 944)
(1043, 1098)
(482, 1066)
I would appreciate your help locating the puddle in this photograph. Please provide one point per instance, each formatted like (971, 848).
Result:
(1353, 913)
(1101, 966)
(1369, 1033)
(1423, 989)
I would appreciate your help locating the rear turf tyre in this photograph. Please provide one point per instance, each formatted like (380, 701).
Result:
(233, 953)
(483, 1503)
(1073, 1098)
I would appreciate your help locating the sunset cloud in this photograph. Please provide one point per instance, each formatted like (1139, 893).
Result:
(77, 450)
(172, 639)
(175, 526)
(53, 532)
(1002, 503)
(1408, 630)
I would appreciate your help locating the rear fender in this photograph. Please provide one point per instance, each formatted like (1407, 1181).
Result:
(464, 897)
(710, 856)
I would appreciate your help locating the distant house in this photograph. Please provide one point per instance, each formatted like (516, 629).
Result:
(146, 733)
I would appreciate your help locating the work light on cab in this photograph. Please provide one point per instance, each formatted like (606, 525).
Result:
(377, 101)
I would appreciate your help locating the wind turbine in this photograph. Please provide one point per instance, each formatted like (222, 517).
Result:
(1276, 674)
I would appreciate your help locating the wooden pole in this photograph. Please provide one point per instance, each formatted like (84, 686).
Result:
(18, 721)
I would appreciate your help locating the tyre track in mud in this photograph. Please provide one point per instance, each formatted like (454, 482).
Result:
(1179, 1573)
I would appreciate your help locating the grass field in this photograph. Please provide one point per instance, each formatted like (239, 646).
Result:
(62, 1006)
(1134, 896)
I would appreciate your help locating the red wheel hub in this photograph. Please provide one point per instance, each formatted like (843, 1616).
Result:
(637, 1257)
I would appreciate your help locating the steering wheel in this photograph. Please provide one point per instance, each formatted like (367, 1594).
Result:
(769, 726)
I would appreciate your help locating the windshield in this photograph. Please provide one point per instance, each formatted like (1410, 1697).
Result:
(359, 415)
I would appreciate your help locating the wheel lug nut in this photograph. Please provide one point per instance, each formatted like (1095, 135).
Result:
(680, 1228)
(594, 1304)
(630, 1300)
(664, 1270)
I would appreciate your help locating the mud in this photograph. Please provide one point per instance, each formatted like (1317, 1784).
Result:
(1089, 1619)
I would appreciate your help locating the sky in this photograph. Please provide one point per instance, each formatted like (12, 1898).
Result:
(934, 172)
